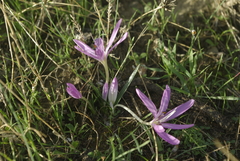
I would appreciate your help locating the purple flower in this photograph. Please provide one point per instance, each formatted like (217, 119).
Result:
(105, 91)
(72, 91)
(113, 90)
(100, 53)
(160, 117)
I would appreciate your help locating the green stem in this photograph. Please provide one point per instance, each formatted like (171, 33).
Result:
(105, 65)
(133, 114)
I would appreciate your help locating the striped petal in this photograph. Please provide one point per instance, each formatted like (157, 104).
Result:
(178, 111)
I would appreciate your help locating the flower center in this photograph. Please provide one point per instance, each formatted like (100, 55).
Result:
(156, 122)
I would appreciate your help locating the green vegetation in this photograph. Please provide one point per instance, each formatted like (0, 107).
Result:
(40, 121)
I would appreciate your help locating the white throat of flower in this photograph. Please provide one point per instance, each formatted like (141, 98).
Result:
(162, 118)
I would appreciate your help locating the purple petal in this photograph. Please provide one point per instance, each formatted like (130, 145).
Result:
(165, 101)
(119, 41)
(165, 136)
(100, 49)
(113, 90)
(165, 117)
(147, 102)
(178, 110)
(158, 128)
(85, 49)
(114, 34)
(82, 47)
(105, 91)
(176, 126)
(99, 43)
(72, 91)
(169, 138)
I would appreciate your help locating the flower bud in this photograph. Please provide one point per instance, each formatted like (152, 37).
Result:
(112, 95)
(72, 91)
(105, 91)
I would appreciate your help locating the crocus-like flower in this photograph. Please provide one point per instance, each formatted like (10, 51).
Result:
(160, 117)
(113, 90)
(72, 91)
(101, 53)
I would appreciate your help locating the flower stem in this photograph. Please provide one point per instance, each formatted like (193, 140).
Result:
(105, 65)
(133, 114)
